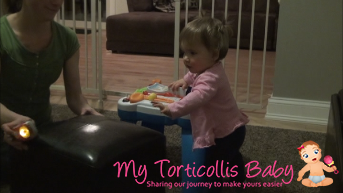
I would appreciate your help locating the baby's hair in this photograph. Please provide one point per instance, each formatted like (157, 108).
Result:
(306, 144)
(212, 33)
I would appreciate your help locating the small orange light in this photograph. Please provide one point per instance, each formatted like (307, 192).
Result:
(24, 132)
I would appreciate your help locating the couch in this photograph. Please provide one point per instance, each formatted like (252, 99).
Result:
(146, 30)
(334, 143)
(80, 155)
(143, 30)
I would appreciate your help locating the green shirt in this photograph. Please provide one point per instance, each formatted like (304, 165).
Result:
(26, 77)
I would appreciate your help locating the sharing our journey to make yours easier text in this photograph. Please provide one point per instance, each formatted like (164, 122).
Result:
(209, 185)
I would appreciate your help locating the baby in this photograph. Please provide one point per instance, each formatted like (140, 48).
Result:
(311, 154)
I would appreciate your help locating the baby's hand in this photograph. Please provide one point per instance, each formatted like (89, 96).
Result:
(163, 108)
(299, 178)
(174, 86)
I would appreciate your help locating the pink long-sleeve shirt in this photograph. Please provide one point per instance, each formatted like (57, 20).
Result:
(212, 107)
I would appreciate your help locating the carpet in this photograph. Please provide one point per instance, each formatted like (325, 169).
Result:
(269, 147)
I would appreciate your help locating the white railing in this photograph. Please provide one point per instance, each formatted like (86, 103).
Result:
(95, 86)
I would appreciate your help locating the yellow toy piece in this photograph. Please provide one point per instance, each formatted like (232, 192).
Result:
(152, 96)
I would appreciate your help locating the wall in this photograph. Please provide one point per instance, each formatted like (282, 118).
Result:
(116, 7)
(308, 58)
(309, 50)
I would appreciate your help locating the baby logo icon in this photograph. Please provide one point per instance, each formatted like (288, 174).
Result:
(311, 154)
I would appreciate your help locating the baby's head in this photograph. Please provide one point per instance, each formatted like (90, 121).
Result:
(208, 31)
(310, 152)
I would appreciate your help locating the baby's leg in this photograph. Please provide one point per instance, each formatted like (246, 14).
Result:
(235, 158)
(325, 182)
(307, 182)
(211, 157)
(227, 150)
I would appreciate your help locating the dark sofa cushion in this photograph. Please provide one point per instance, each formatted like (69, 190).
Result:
(140, 5)
(95, 140)
(82, 155)
(158, 28)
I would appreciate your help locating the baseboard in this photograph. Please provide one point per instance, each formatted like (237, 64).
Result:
(298, 110)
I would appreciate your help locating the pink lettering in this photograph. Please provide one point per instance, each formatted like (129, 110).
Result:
(194, 170)
(140, 170)
(174, 170)
(268, 170)
(187, 169)
(254, 168)
(178, 170)
(286, 174)
(208, 169)
(199, 170)
(221, 169)
(161, 169)
(233, 171)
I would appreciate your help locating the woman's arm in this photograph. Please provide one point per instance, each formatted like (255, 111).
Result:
(10, 120)
(75, 100)
(9, 116)
(6, 115)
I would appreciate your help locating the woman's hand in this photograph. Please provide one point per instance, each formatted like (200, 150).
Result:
(89, 111)
(163, 108)
(174, 86)
(10, 136)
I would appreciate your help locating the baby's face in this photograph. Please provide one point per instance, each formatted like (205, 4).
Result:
(311, 154)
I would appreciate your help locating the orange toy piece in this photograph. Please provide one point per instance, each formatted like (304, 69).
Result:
(136, 97)
(165, 100)
(156, 81)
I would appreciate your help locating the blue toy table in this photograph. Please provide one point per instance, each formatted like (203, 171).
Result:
(151, 117)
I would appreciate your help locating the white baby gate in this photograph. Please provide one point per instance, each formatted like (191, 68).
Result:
(94, 85)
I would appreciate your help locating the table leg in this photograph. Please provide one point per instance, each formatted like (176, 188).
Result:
(129, 117)
(193, 159)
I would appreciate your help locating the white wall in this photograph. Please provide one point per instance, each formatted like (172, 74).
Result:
(116, 7)
(309, 49)
(308, 67)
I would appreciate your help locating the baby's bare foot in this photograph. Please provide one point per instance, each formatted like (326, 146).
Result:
(320, 184)
(313, 184)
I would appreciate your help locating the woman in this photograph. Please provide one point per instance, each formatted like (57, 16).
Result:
(34, 49)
